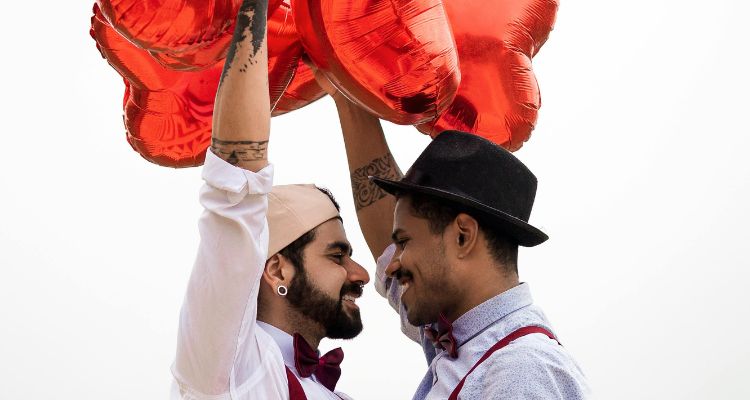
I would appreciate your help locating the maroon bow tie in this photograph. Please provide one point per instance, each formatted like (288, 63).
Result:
(326, 368)
(443, 337)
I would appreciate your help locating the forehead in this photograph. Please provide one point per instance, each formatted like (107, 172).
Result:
(329, 232)
(403, 204)
(403, 219)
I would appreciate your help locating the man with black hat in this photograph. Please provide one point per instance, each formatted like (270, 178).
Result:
(447, 262)
(274, 273)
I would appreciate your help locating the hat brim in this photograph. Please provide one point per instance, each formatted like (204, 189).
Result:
(525, 234)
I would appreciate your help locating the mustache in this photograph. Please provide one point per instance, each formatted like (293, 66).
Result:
(354, 288)
(402, 273)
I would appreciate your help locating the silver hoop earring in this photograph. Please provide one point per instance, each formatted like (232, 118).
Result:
(281, 290)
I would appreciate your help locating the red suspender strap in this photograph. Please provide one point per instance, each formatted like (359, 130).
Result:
(527, 330)
(295, 388)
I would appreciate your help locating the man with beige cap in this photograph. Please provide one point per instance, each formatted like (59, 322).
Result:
(274, 273)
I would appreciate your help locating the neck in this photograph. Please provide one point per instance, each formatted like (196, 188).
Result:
(480, 287)
(293, 323)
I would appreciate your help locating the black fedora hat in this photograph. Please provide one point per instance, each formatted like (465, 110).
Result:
(478, 175)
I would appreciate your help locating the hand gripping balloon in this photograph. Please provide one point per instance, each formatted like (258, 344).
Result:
(395, 58)
(498, 97)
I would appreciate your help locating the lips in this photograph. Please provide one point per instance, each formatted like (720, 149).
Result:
(350, 300)
(404, 278)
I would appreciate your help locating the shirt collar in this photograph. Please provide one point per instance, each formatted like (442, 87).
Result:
(482, 316)
(284, 340)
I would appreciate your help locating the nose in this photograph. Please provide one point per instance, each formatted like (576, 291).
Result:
(357, 273)
(393, 266)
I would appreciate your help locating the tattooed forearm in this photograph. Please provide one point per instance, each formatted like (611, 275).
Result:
(235, 152)
(251, 24)
(366, 192)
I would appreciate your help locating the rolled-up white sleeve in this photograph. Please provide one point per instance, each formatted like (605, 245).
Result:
(218, 314)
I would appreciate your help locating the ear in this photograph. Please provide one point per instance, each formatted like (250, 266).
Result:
(466, 234)
(278, 271)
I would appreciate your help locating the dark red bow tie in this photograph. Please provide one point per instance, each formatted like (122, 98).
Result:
(442, 338)
(326, 368)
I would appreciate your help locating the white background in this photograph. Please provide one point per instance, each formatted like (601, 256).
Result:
(640, 150)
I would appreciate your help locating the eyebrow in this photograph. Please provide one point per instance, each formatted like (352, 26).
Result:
(395, 234)
(342, 246)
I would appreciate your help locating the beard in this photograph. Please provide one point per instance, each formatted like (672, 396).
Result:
(313, 303)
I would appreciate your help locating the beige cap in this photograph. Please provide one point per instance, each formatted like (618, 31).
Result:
(294, 210)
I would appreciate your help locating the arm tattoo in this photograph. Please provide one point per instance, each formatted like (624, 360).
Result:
(365, 192)
(238, 151)
(251, 22)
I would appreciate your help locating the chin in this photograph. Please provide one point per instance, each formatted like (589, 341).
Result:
(416, 319)
(350, 333)
(347, 335)
(420, 317)
(347, 328)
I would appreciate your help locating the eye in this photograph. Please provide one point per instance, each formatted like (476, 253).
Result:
(401, 243)
(338, 258)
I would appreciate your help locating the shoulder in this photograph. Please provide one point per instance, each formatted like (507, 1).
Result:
(533, 366)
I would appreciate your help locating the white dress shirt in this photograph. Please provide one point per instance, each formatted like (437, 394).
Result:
(223, 352)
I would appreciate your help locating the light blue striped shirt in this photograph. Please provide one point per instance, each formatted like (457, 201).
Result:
(531, 367)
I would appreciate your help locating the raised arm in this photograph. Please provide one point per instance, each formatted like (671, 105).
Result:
(368, 155)
(215, 353)
(242, 116)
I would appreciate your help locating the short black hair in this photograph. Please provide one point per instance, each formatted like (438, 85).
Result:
(440, 213)
(294, 251)
(328, 193)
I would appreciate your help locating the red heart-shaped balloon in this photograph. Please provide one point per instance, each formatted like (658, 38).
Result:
(197, 58)
(170, 25)
(302, 90)
(181, 34)
(168, 113)
(284, 51)
(498, 97)
(395, 58)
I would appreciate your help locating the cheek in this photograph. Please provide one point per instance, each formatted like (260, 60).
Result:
(431, 282)
(433, 272)
(412, 257)
(423, 282)
(418, 261)
(328, 279)
(335, 280)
